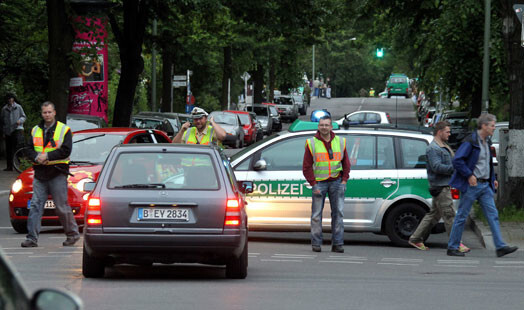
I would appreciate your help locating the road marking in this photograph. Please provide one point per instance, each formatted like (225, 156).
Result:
(458, 266)
(40, 256)
(253, 253)
(514, 266)
(450, 261)
(300, 256)
(6, 227)
(347, 257)
(398, 264)
(14, 238)
(509, 262)
(411, 260)
(340, 261)
(282, 260)
(15, 253)
(65, 252)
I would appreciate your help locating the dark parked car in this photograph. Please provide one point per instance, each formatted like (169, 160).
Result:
(258, 124)
(167, 125)
(459, 125)
(169, 203)
(233, 127)
(263, 112)
(277, 121)
(81, 122)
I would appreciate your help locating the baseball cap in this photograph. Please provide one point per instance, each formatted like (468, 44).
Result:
(197, 113)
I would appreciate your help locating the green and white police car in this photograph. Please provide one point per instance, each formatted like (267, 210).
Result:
(387, 192)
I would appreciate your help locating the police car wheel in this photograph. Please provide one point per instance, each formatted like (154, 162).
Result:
(402, 221)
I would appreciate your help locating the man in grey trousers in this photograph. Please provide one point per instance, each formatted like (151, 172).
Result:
(440, 168)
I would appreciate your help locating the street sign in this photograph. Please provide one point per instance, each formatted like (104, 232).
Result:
(179, 78)
(245, 76)
(179, 84)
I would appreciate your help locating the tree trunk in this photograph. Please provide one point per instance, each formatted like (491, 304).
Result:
(226, 75)
(130, 44)
(272, 82)
(167, 63)
(60, 35)
(258, 81)
(514, 183)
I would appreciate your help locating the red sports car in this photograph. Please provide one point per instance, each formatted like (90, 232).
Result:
(90, 149)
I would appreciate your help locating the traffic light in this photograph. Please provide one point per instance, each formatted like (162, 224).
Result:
(380, 52)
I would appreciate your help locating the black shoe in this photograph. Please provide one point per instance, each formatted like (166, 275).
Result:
(8, 169)
(70, 241)
(316, 248)
(29, 244)
(337, 249)
(506, 250)
(455, 253)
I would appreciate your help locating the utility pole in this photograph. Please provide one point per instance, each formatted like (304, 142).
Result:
(313, 65)
(485, 68)
(153, 70)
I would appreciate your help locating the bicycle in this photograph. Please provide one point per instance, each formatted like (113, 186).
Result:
(20, 160)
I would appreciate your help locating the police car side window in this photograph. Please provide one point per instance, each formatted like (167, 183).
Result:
(361, 151)
(385, 153)
(285, 155)
(413, 153)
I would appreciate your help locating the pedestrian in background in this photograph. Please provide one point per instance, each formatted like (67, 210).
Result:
(328, 92)
(12, 122)
(475, 178)
(326, 168)
(316, 84)
(440, 168)
(50, 149)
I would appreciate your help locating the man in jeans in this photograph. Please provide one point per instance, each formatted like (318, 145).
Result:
(440, 169)
(326, 168)
(475, 178)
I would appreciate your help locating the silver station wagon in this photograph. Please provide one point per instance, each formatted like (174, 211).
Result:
(387, 192)
(166, 203)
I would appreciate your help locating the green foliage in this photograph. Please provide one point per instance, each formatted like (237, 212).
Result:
(506, 214)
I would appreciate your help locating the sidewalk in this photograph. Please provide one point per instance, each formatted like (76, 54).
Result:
(513, 233)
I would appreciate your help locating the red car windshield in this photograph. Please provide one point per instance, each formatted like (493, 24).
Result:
(93, 147)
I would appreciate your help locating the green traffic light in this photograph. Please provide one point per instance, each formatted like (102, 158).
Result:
(380, 52)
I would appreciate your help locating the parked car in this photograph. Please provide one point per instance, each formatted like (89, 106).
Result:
(302, 106)
(173, 118)
(364, 118)
(263, 112)
(233, 127)
(427, 120)
(398, 85)
(258, 124)
(14, 294)
(248, 124)
(286, 106)
(90, 150)
(184, 118)
(194, 213)
(80, 122)
(459, 125)
(159, 122)
(277, 121)
(388, 192)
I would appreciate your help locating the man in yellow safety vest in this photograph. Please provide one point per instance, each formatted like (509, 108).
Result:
(51, 143)
(204, 132)
(326, 168)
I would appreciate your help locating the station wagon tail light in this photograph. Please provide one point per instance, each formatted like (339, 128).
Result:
(493, 151)
(455, 194)
(232, 213)
(93, 212)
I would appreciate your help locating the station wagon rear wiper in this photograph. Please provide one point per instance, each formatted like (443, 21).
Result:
(82, 162)
(148, 185)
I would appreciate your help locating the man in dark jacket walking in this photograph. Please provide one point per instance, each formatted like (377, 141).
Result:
(12, 118)
(475, 179)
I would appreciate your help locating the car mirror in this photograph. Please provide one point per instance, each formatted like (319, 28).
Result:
(246, 187)
(51, 299)
(89, 186)
(260, 165)
(345, 123)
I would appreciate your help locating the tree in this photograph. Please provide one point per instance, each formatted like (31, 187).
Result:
(129, 38)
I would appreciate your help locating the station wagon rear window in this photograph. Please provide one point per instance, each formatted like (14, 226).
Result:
(163, 171)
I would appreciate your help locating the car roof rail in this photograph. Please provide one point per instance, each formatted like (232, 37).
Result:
(398, 127)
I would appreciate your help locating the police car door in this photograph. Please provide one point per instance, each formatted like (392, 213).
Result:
(373, 178)
(281, 198)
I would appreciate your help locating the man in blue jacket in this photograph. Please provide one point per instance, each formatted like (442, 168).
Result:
(475, 178)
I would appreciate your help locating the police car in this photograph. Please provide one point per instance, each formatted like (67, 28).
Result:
(387, 192)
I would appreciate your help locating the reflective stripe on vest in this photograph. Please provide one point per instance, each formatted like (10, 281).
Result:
(38, 141)
(323, 167)
(191, 138)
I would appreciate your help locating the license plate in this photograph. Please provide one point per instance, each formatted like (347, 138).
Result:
(163, 214)
(49, 204)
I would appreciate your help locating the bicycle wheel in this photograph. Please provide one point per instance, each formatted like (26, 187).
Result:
(20, 160)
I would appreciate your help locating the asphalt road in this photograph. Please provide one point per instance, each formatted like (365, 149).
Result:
(285, 274)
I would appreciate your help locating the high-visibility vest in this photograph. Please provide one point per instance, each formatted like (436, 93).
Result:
(38, 141)
(324, 167)
(191, 138)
